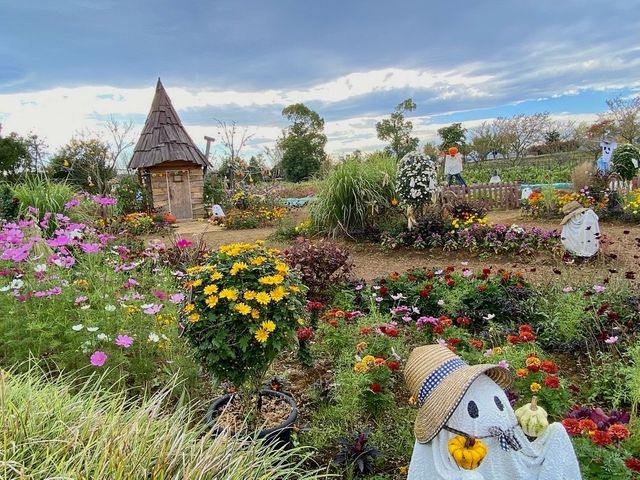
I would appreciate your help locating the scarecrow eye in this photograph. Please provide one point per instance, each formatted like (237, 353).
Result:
(472, 408)
(498, 403)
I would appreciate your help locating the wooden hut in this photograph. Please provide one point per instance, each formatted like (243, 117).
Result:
(170, 165)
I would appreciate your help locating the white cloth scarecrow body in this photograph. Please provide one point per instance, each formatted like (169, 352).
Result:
(453, 164)
(581, 234)
(483, 408)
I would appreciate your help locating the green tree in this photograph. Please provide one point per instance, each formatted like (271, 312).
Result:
(84, 162)
(452, 136)
(397, 131)
(431, 150)
(551, 136)
(14, 157)
(302, 143)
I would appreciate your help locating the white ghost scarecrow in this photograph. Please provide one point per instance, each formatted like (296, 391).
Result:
(580, 230)
(217, 212)
(461, 403)
(604, 162)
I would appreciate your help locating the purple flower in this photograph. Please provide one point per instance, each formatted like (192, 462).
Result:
(359, 287)
(100, 200)
(176, 298)
(90, 247)
(599, 288)
(611, 340)
(159, 294)
(98, 358)
(80, 299)
(151, 308)
(567, 289)
(74, 202)
(124, 341)
(59, 241)
(503, 364)
(32, 210)
(379, 299)
(184, 243)
(467, 273)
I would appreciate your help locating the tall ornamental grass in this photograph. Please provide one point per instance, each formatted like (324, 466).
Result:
(49, 429)
(43, 194)
(354, 195)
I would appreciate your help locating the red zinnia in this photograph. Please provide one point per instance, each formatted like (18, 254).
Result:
(389, 331)
(333, 322)
(383, 291)
(525, 328)
(486, 271)
(463, 321)
(365, 330)
(451, 283)
(438, 329)
(601, 438)
(588, 425)
(527, 337)
(424, 293)
(552, 381)
(618, 432)
(429, 274)
(394, 276)
(632, 463)
(411, 278)
(572, 426)
(375, 387)
(548, 366)
(393, 365)
(513, 339)
(453, 341)
(482, 287)
(476, 343)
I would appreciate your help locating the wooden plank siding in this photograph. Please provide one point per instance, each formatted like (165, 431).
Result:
(158, 180)
(498, 195)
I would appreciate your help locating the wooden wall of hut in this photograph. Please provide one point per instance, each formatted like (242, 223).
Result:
(161, 177)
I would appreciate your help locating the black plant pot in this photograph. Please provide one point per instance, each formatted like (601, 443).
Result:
(279, 435)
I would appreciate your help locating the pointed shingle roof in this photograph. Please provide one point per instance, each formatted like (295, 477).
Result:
(163, 138)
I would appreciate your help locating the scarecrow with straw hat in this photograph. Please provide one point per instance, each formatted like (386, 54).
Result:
(580, 230)
(466, 429)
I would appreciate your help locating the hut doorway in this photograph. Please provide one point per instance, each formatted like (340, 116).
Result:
(179, 189)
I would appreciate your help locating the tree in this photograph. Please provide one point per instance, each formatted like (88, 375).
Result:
(483, 140)
(233, 139)
(551, 136)
(452, 136)
(121, 139)
(431, 150)
(14, 156)
(521, 132)
(625, 117)
(302, 143)
(397, 131)
(85, 162)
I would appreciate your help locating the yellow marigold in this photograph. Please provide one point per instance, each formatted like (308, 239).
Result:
(242, 308)
(263, 298)
(258, 260)
(211, 301)
(535, 387)
(278, 293)
(268, 325)
(282, 268)
(188, 308)
(230, 294)
(497, 351)
(210, 289)
(361, 346)
(238, 267)
(533, 361)
(271, 280)
(194, 317)
(249, 295)
(196, 283)
(216, 276)
(261, 335)
(255, 313)
(369, 359)
(360, 367)
(522, 372)
(294, 289)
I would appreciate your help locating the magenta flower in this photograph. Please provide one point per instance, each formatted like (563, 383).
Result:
(100, 200)
(151, 308)
(176, 298)
(159, 294)
(80, 299)
(98, 358)
(567, 289)
(503, 364)
(184, 243)
(611, 340)
(59, 241)
(599, 288)
(124, 341)
(90, 247)
(74, 202)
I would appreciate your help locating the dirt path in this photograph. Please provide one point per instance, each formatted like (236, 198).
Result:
(620, 256)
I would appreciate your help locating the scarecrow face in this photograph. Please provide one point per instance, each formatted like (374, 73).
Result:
(485, 405)
(607, 149)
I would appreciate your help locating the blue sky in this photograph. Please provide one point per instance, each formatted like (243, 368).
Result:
(67, 65)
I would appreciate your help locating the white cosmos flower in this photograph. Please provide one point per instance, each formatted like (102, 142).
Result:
(41, 267)
(77, 328)
(489, 316)
(92, 329)
(153, 337)
(110, 308)
(102, 337)
(85, 307)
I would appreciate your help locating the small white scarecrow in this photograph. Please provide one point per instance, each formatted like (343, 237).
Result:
(466, 428)
(580, 230)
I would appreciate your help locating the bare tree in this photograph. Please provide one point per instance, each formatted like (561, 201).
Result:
(483, 139)
(625, 114)
(233, 138)
(521, 132)
(120, 139)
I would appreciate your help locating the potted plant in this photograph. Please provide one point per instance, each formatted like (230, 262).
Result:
(244, 308)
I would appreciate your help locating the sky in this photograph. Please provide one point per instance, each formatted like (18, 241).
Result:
(68, 65)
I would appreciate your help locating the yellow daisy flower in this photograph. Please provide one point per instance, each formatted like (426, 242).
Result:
(188, 308)
(255, 314)
(269, 326)
(210, 289)
(194, 317)
(294, 289)
(282, 268)
(249, 295)
(211, 301)
(216, 276)
(258, 260)
(230, 294)
(261, 335)
(196, 283)
(278, 293)
(242, 308)
(263, 298)
(238, 267)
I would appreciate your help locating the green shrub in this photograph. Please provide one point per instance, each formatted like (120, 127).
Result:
(56, 431)
(355, 196)
(622, 160)
(8, 203)
(131, 196)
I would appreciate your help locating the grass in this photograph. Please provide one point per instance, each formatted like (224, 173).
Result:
(44, 194)
(51, 430)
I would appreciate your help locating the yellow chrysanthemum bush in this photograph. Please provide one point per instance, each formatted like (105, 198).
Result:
(245, 305)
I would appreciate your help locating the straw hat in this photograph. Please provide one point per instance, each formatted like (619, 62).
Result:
(438, 379)
(571, 209)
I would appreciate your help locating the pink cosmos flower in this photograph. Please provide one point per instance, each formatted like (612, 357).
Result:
(90, 247)
(599, 288)
(467, 273)
(184, 243)
(151, 308)
(159, 294)
(98, 358)
(124, 341)
(80, 299)
(567, 289)
(100, 200)
(59, 241)
(611, 340)
(176, 298)
(74, 202)
(503, 364)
